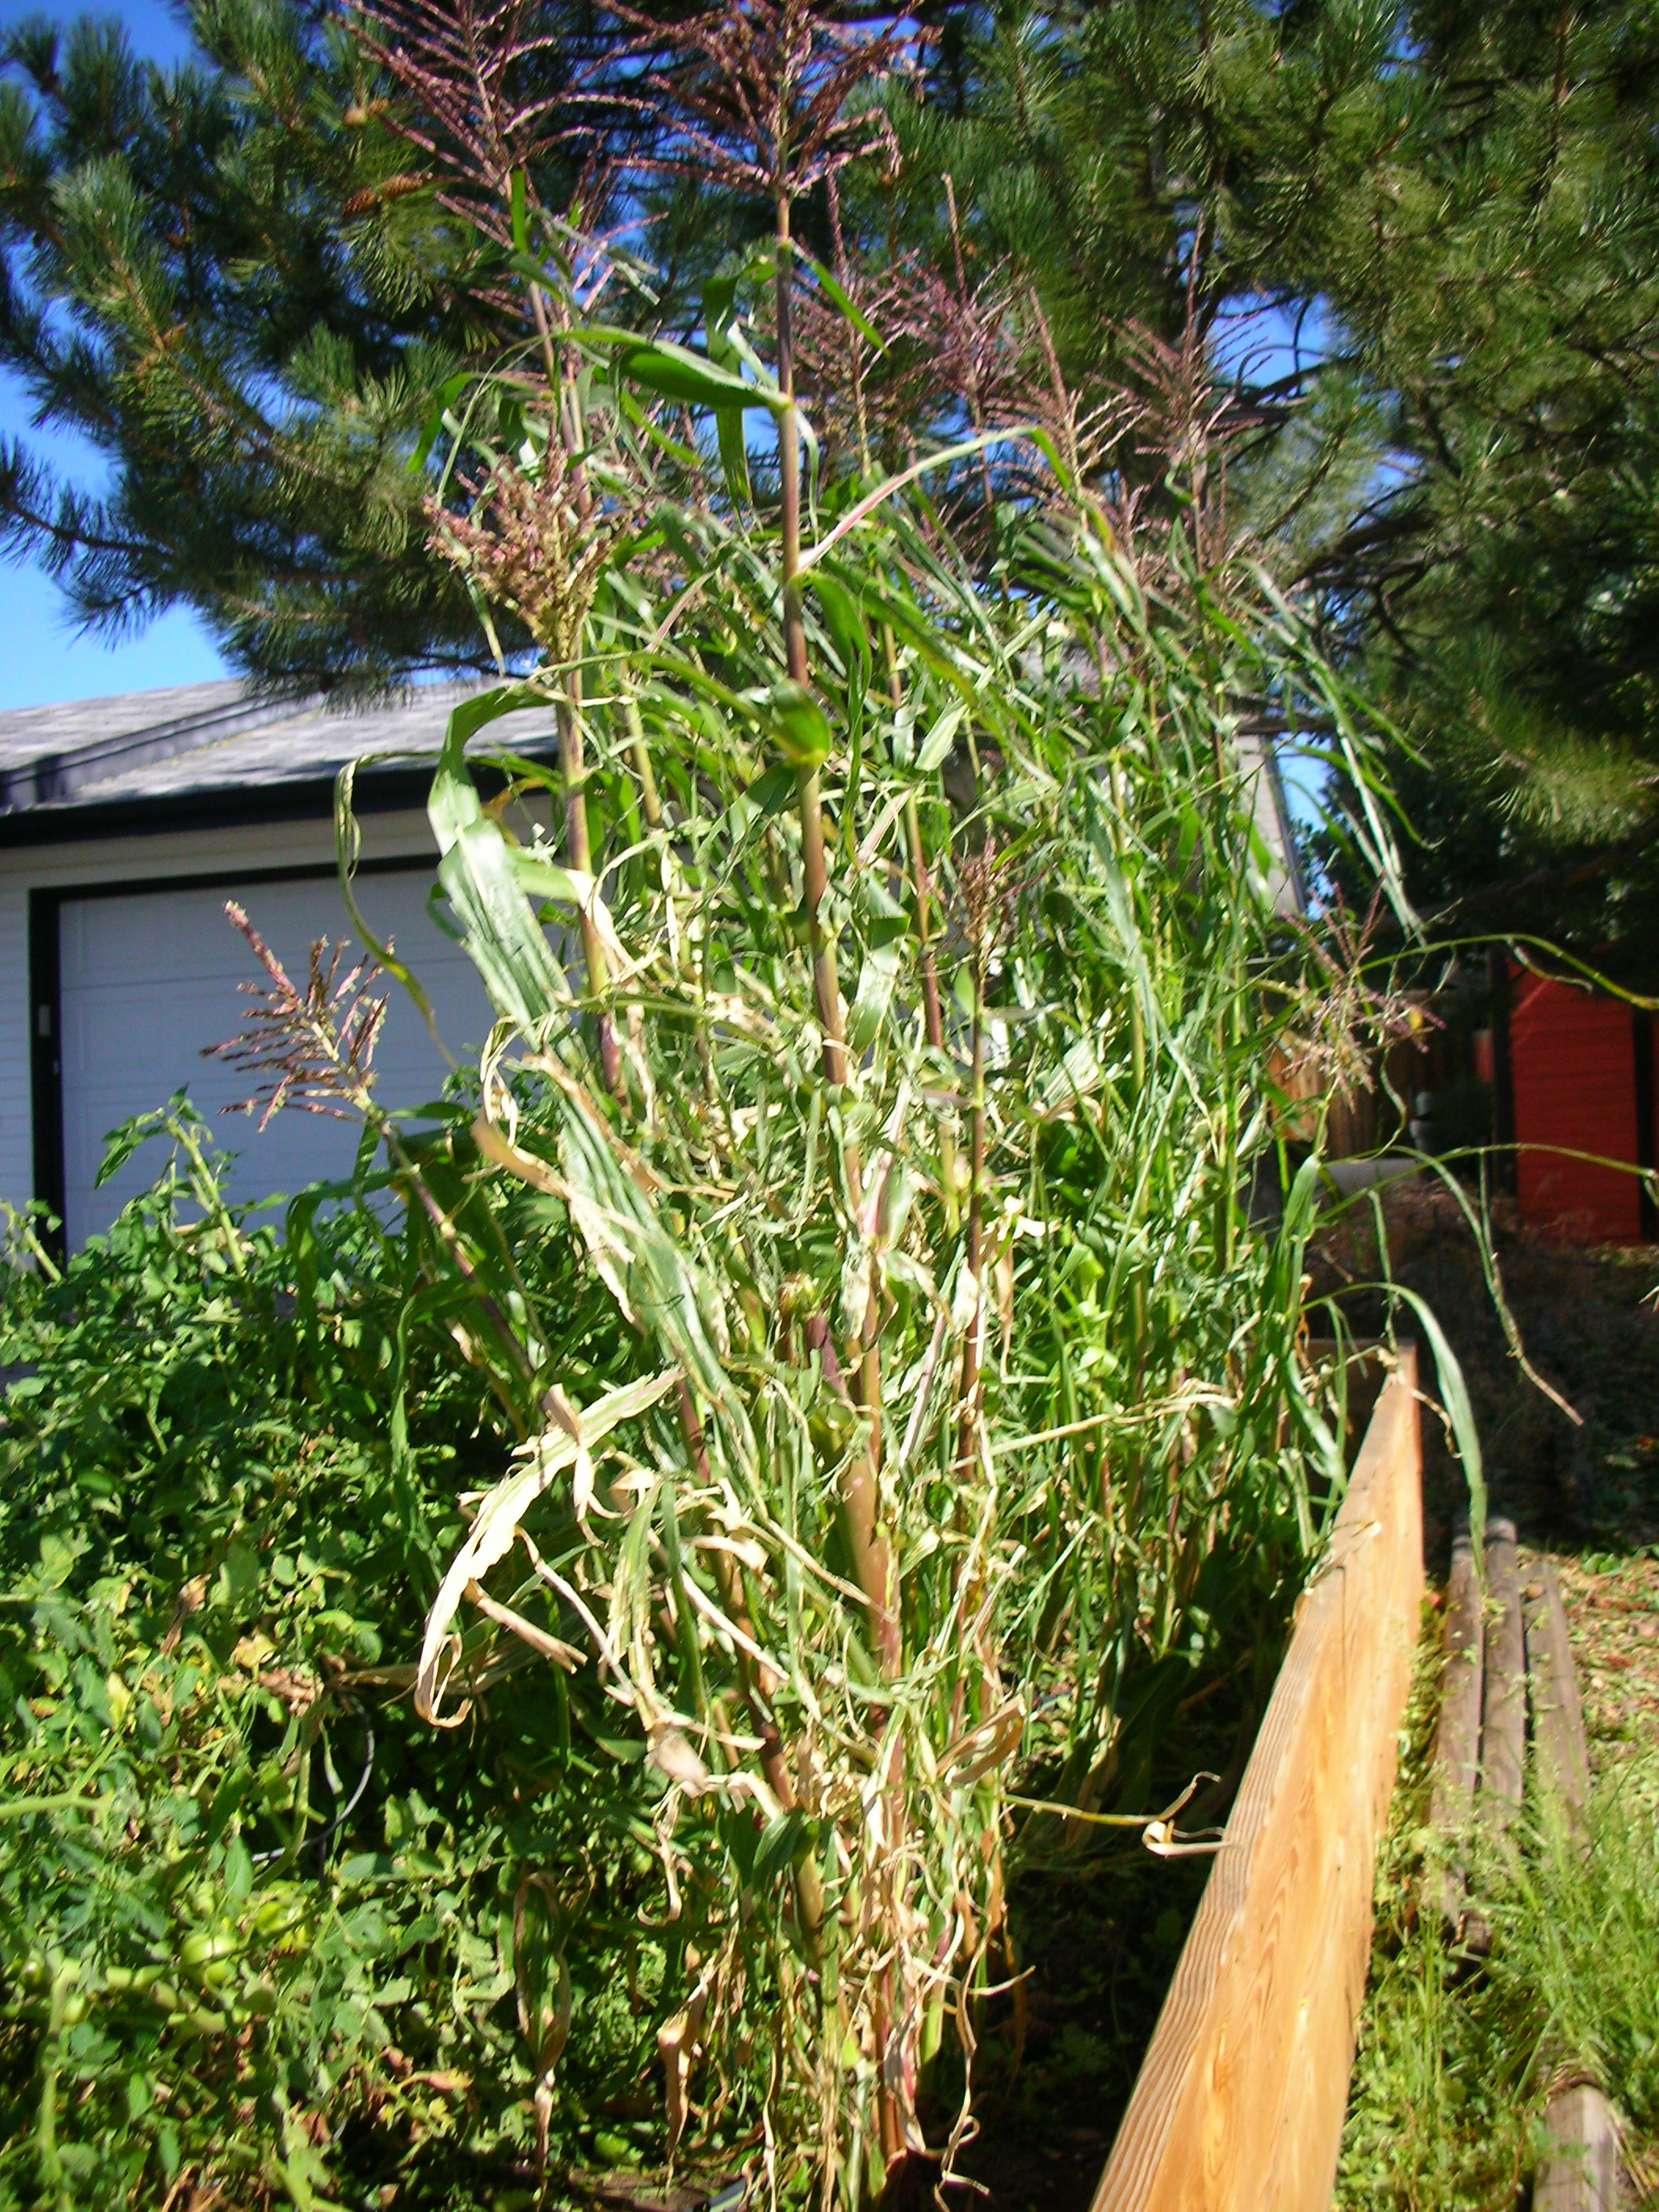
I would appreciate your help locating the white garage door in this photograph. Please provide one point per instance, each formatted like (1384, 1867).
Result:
(148, 980)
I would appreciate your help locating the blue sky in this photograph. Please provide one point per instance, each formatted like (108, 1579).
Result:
(41, 658)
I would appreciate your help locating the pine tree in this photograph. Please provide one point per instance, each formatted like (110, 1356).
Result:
(1402, 263)
(1426, 240)
(250, 293)
(1503, 575)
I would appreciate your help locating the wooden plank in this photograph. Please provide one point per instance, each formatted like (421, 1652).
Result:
(1239, 2104)
(1504, 1711)
(1457, 1738)
(1581, 2166)
(1560, 1754)
(1580, 2171)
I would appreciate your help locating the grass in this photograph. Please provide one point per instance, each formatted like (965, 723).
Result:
(1453, 2073)
(1454, 2070)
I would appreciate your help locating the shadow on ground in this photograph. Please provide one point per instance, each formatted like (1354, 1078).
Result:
(1584, 1490)
(1098, 1947)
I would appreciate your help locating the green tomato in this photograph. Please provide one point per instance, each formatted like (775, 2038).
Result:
(210, 1959)
(800, 725)
(279, 1910)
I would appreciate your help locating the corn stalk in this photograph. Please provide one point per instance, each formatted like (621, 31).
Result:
(869, 1499)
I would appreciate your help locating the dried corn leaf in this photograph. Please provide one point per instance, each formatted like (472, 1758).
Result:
(495, 1527)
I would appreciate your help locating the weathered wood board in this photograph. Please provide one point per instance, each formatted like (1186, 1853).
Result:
(1239, 2104)
(1457, 1740)
(1580, 2172)
(1560, 1755)
(1504, 1711)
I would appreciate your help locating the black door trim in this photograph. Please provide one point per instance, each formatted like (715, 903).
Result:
(45, 1064)
(1641, 1025)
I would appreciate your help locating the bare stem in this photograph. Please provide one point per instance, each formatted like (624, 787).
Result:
(967, 1444)
(867, 1540)
(579, 851)
(645, 774)
(825, 976)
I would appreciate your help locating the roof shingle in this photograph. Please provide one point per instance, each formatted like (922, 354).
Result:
(200, 737)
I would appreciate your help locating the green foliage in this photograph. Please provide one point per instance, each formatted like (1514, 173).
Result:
(1504, 306)
(258, 1926)
(1413, 248)
(1447, 2105)
(897, 1406)
(1091, 1489)
(232, 279)
(1139, 162)
(920, 1410)
(1422, 242)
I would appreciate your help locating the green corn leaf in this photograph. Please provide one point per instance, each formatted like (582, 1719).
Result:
(734, 454)
(783, 1839)
(849, 633)
(345, 852)
(720, 296)
(676, 372)
(1455, 1396)
(498, 925)
(835, 292)
(546, 879)
(653, 431)
(448, 394)
(774, 791)
(877, 977)
(936, 745)
(656, 1282)
(500, 928)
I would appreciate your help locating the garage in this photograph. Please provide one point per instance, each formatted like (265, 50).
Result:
(126, 824)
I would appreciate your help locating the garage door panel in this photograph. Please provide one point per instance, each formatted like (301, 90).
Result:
(148, 981)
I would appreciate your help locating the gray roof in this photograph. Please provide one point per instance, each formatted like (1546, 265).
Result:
(195, 740)
(203, 739)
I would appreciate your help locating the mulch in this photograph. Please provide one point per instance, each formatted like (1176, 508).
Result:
(1613, 1620)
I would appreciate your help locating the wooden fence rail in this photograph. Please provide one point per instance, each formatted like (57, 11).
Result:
(1239, 2104)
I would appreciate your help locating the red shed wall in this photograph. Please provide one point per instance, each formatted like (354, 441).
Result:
(1573, 1065)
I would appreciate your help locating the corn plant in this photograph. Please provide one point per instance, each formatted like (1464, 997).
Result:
(854, 1224)
(947, 1416)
